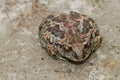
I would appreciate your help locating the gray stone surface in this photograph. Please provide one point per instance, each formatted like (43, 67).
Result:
(22, 58)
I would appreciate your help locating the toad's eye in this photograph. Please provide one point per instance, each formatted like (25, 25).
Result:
(67, 49)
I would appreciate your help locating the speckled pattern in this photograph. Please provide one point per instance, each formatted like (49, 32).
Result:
(71, 36)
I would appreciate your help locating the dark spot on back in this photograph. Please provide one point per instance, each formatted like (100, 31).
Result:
(86, 26)
(60, 18)
(56, 31)
(49, 29)
(74, 15)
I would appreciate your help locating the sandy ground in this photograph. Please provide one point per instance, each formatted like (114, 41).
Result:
(21, 55)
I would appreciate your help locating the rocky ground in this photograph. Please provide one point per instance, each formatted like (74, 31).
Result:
(21, 55)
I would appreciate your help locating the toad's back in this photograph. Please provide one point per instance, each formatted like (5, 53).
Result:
(71, 36)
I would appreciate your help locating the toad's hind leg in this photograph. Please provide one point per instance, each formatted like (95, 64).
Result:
(53, 52)
(97, 42)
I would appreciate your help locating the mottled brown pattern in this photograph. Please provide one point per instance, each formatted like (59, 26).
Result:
(70, 36)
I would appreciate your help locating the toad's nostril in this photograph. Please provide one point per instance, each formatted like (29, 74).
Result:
(75, 55)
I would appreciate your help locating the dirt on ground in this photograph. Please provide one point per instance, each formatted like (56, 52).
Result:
(21, 55)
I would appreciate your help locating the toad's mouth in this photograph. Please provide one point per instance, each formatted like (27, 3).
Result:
(77, 54)
(73, 53)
